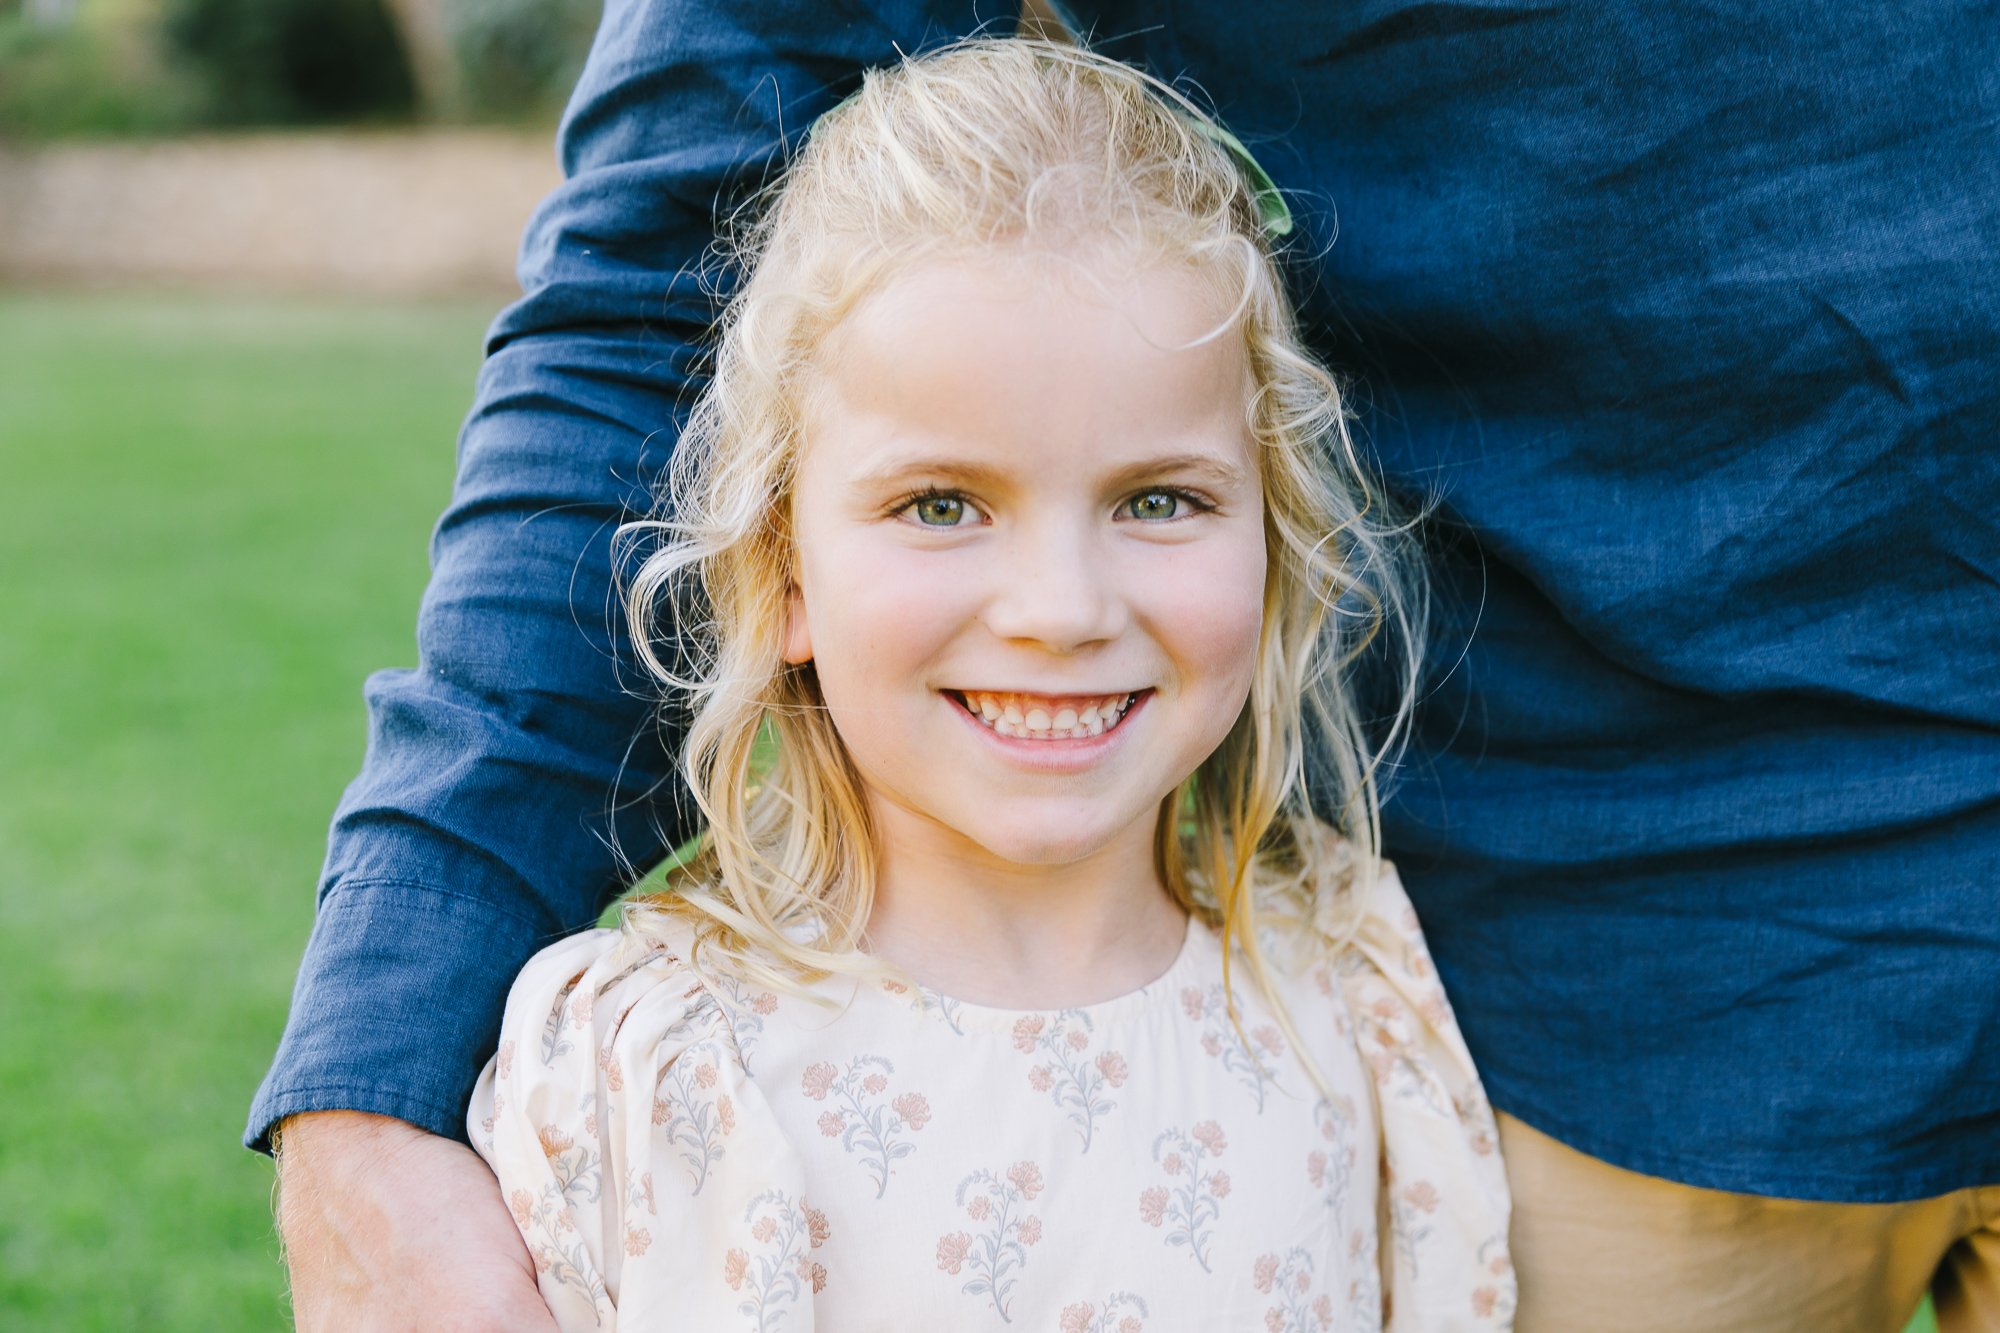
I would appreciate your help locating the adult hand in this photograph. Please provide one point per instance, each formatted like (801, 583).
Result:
(387, 1227)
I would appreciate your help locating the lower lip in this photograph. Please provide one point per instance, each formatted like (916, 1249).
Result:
(1071, 754)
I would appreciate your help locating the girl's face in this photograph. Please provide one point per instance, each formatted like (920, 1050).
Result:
(1030, 555)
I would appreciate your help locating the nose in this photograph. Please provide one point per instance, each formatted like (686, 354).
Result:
(1056, 587)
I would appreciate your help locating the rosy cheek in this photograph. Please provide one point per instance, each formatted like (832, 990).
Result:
(878, 611)
(1212, 605)
(1234, 643)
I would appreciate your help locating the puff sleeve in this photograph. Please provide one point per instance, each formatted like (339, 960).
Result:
(648, 1175)
(1444, 1201)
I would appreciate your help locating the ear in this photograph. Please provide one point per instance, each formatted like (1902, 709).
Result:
(798, 646)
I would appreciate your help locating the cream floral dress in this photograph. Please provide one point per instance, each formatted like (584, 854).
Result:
(701, 1154)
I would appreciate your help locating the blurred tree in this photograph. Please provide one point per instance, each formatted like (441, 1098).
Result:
(94, 68)
(70, 67)
(426, 29)
(292, 61)
(519, 57)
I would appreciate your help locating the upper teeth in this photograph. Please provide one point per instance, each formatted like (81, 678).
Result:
(1027, 715)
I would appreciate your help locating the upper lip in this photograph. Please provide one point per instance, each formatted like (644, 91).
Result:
(1069, 692)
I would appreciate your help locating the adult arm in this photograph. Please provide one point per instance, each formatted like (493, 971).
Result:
(478, 827)
(390, 1227)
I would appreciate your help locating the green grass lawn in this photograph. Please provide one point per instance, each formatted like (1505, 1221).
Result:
(216, 524)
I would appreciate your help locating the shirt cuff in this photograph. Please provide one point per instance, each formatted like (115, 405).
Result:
(397, 1006)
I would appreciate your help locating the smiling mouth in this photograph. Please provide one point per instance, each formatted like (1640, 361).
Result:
(1040, 717)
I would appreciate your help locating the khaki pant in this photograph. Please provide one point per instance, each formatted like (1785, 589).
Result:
(1603, 1250)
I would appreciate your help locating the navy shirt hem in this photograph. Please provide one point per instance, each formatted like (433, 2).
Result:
(1891, 1183)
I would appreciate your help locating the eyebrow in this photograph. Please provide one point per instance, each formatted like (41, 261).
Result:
(1218, 471)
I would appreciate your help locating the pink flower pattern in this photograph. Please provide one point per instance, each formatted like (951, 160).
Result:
(995, 1255)
(1121, 1312)
(942, 1005)
(555, 1041)
(575, 1170)
(1410, 1209)
(560, 1255)
(1227, 1187)
(1189, 1208)
(1365, 1299)
(1495, 1300)
(1288, 1281)
(693, 1116)
(747, 1007)
(952, 1250)
(1386, 1030)
(861, 1121)
(1330, 1164)
(1079, 1084)
(639, 1193)
(780, 1272)
(1218, 1038)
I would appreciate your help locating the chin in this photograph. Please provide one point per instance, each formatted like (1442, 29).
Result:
(1044, 847)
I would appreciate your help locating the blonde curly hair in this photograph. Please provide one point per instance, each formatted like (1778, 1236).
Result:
(1050, 150)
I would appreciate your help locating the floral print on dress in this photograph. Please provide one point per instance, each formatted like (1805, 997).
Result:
(1288, 1280)
(561, 1017)
(1253, 1069)
(559, 1253)
(575, 1167)
(1495, 1300)
(503, 1069)
(693, 1113)
(747, 1007)
(865, 1123)
(638, 1194)
(994, 1255)
(1410, 1209)
(1122, 1312)
(602, 1192)
(944, 1007)
(780, 1272)
(1077, 1081)
(1389, 1046)
(1365, 1302)
(927, 1001)
(1189, 1208)
(576, 1004)
(1330, 1166)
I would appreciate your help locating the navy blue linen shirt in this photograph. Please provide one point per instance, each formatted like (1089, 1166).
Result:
(1689, 316)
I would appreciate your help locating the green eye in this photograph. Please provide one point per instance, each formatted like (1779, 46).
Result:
(1154, 505)
(940, 511)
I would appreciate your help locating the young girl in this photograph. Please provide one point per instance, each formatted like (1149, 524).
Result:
(1016, 551)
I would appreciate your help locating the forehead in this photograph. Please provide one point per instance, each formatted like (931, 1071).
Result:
(1032, 362)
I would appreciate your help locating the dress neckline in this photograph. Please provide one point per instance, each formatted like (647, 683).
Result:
(963, 1015)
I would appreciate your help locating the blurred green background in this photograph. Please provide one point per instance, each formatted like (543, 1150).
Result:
(220, 480)
(216, 529)
(93, 67)
(219, 500)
